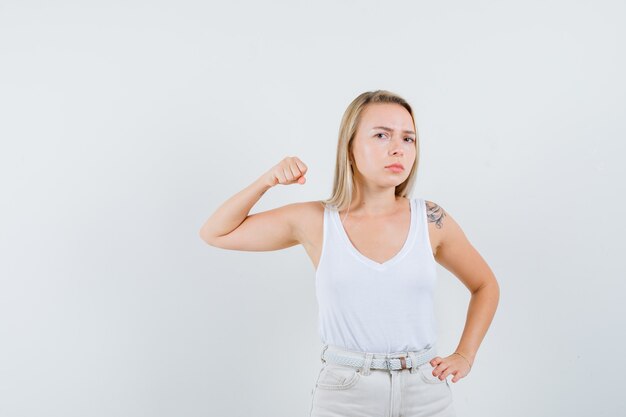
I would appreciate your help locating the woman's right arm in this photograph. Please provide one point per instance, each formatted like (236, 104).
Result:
(231, 226)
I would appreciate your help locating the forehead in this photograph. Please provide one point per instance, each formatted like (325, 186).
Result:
(391, 115)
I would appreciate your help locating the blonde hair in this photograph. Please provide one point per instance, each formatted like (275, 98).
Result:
(343, 184)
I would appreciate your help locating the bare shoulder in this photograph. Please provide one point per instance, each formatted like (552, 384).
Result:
(435, 214)
(441, 225)
(456, 253)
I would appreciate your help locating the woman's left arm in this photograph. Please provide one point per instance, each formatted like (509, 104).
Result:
(457, 255)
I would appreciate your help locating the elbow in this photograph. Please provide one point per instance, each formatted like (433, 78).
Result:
(490, 285)
(205, 238)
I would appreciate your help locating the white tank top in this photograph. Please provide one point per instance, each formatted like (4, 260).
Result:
(367, 306)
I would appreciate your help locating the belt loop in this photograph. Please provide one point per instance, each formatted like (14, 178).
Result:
(413, 361)
(367, 363)
(323, 351)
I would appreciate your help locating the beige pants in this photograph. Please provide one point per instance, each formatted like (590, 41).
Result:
(348, 391)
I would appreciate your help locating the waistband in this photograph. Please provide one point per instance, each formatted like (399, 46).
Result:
(369, 360)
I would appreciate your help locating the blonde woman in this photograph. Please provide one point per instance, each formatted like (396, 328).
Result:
(375, 250)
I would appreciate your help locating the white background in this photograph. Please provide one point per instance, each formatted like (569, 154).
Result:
(125, 124)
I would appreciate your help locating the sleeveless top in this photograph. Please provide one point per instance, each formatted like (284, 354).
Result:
(367, 306)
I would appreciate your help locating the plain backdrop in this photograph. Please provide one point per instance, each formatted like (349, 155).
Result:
(125, 124)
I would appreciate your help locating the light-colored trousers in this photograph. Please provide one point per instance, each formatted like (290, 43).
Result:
(348, 391)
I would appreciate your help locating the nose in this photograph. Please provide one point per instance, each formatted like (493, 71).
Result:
(397, 150)
(396, 147)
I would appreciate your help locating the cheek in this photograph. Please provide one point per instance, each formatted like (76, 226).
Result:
(371, 156)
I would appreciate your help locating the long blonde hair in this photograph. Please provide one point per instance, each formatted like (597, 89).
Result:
(343, 184)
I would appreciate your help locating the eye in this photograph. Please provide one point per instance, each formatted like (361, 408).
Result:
(411, 140)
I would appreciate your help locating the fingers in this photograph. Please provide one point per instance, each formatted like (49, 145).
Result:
(456, 376)
(435, 361)
(303, 168)
(291, 169)
(450, 366)
(441, 371)
(446, 371)
(438, 366)
(298, 168)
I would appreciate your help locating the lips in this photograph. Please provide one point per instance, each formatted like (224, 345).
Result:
(398, 166)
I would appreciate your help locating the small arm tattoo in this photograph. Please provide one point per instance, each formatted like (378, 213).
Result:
(435, 214)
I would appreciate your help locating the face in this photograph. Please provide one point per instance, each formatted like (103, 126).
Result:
(384, 136)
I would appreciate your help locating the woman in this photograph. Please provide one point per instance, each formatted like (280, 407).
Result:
(375, 251)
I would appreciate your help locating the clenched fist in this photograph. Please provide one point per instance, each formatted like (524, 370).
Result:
(288, 171)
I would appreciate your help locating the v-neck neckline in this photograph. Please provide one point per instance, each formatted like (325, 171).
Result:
(370, 262)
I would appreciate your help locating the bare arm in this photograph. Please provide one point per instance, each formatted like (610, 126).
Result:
(231, 226)
(233, 211)
(459, 256)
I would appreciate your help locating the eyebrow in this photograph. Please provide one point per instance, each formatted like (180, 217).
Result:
(391, 130)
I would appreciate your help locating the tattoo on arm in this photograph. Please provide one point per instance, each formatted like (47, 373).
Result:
(435, 214)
